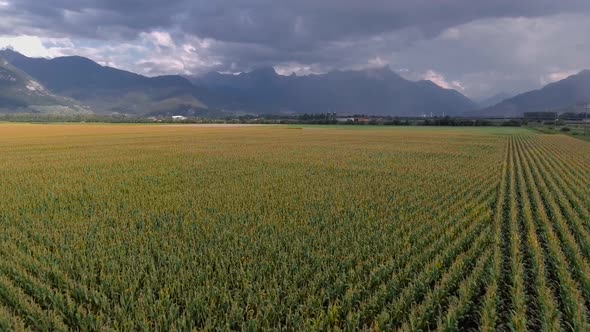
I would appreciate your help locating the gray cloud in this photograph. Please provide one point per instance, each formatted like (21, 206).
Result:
(285, 24)
(484, 46)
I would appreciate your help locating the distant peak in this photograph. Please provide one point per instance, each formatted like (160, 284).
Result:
(76, 58)
(9, 54)
(8, 49)
(381, 72)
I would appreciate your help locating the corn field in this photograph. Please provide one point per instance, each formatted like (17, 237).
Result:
(164, 228)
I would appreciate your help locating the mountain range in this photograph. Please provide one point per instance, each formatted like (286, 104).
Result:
(105, 89)
(376, 91)
(108, 90)
(76, 84)
(19, 92)
(558, 96)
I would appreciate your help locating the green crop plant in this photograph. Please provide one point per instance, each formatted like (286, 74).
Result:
(181, 227)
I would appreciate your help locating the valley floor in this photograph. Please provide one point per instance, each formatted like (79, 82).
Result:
(134, 227)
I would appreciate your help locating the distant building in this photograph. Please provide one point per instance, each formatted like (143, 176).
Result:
(345, 120)
(179, 118)
(353, 119)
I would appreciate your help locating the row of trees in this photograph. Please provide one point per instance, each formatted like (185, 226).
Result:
(319, 118)
(554, 115)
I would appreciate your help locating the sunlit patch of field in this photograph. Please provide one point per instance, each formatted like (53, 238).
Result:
(193, 227)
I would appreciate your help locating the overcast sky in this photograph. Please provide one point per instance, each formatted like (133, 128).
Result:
(479, 47)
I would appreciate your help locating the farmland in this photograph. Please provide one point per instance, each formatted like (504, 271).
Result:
(137, 227)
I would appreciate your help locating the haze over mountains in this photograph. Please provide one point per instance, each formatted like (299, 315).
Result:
(493, 100)
(557, 96)
(76, 84)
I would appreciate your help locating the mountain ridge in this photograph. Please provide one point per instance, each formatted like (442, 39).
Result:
(378, 91)
(106, 89)
(555, 96)
(20, 92)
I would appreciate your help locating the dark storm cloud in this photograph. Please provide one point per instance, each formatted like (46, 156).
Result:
(95, 19)
(477, 46)
(281, 24)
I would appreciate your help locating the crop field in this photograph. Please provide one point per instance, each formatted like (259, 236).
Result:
(159, 228)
